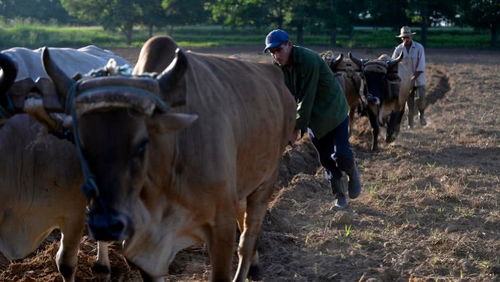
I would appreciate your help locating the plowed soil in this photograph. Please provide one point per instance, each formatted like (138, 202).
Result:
(429, 210)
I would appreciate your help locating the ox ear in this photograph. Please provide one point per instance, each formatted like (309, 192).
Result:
(169, 78)
(60, 79)
(170, 122)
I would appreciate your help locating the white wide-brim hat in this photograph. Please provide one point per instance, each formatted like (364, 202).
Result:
(405, 31)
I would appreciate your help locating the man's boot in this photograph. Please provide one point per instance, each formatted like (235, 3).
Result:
(421, 108)
(339, 190)
(354, 182)
(420, 101)
(423, 121)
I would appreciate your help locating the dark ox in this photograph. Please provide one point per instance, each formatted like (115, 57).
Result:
(349, 78)
(163, 178)
(40, 175)
(381, 80)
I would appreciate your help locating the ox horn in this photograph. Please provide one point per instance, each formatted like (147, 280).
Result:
(8, 76)
(60, 79)
(336, 61)
(395, 61)
(169, 78)
(355, 60)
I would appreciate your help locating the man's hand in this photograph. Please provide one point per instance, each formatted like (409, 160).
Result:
(413, 81)
(293, 138)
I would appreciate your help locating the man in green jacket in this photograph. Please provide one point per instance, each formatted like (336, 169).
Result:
(322, 111)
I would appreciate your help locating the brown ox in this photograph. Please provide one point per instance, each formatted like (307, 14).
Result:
(382, 81)
(349, 78)
(40, 181)
(163, 178)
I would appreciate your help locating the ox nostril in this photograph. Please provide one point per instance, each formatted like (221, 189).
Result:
(117, 226)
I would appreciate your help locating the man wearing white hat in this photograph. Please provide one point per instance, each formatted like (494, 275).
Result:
(414, 60)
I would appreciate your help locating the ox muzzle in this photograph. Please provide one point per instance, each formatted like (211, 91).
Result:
(109, 225)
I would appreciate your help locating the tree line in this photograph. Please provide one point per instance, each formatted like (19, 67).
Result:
(300, 16)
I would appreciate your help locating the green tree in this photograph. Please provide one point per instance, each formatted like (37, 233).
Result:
(239, 12)
(39, 10)
(295, 15)
(341, 14)
(152, 15)
(481, 14)
(428, 13)
(182, 12)
(115, 15)
(386, 13)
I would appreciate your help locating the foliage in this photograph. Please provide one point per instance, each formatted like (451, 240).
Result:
(481, 14)
(182, 12)
(40, 10)
(119, 15)
(238, 12)
(34, 36)
(386, 13)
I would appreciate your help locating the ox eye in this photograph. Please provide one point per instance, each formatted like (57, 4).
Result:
(142, 147)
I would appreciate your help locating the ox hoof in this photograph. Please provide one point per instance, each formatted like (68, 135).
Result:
(101, 272)
(67, 272)
(254, 273)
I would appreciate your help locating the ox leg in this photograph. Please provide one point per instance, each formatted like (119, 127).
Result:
(247, 249)
(411, 109)
(254, 271)
(66, 257)
(220, 243)
(102, 267)
(375, 130)
(351, 119)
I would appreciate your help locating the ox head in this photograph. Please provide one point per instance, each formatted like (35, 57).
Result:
(118, 122)
(381, 80)
(335, 63)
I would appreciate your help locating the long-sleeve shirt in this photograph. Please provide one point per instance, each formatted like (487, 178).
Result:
(414, 59)
(321, 103)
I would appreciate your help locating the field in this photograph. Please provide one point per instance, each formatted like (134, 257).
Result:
(430, 209)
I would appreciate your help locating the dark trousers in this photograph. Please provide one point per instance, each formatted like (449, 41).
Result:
(334, 150)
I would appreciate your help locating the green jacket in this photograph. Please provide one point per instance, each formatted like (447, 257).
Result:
(321, 103)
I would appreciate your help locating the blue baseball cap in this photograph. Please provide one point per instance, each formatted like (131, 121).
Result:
(275, 38)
